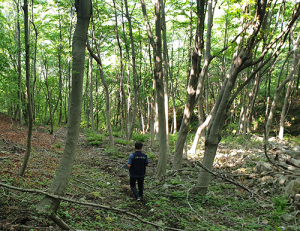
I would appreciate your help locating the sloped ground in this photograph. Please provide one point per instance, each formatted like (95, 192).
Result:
(98, 178)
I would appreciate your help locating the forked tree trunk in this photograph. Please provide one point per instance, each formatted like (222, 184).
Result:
(61, 181)
(207, 61)
(241, 60)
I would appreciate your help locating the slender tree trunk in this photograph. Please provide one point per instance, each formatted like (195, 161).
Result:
(152, 100)
(289, 90)
(61, 181)
(174, 121)
(34, 71)
(69, 67)
(135, 81)
(98, 60)
(165, 68)
(91, 92)
(276, 94)
(48, 97)
(28, 94)
(121, 89)
(19, 66)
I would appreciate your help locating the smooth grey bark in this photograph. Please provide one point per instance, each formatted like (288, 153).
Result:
(28, 94)
(68, 85)
(163, 148)
(61, 180)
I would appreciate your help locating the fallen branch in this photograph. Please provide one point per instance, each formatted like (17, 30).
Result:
(86, 204)
(230, 181)
(60, 222)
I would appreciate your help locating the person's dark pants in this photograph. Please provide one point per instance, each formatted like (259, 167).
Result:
(140, 181)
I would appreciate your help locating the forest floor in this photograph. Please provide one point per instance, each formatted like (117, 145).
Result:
(98, 178)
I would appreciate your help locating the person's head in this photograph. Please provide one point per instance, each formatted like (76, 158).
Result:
(138, 145)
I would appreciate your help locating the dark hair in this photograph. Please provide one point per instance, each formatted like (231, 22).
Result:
(138, 145)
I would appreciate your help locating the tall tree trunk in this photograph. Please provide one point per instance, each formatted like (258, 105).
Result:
(163, 149)
(19, 66)
(134, 76)
(61, 181)
(159, 82)
(34, 71)
(174, 121)
(91, 92)
(289, 90)
(28, 94)
(121, 89)
(207, 61)
(192, 86)
(152, 99)
(165, 69)
(69, 67)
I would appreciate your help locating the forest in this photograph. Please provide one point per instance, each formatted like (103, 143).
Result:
(210, 87)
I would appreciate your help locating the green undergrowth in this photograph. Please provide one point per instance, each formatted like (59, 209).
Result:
(98, 177)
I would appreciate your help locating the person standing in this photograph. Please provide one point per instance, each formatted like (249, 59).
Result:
(137, 163)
